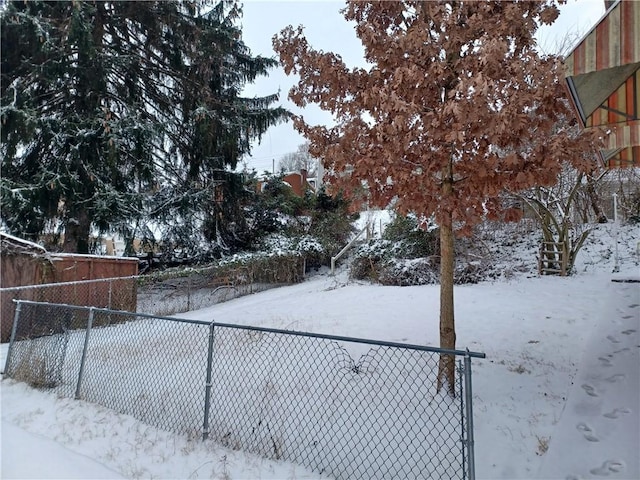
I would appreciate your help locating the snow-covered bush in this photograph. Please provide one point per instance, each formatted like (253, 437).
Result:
(409, 254)
(312, 250)
(263, 267)
(276, 243)
(403, 256)
(404, 272)
(412, 238)
(382, 261)
(314, 226)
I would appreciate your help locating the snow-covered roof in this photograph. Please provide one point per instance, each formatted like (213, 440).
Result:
(26, 244)
(23, 242)
(54, 256)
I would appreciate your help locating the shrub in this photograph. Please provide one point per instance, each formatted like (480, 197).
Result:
(404, 255)
(416, 271)
(414, 240)
(316, 226)
(40, 363)
(410, 255)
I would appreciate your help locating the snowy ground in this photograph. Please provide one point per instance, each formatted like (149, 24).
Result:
(557, 396)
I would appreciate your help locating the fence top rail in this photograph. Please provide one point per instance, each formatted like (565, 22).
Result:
(213, 323)
(76, 282)
(108, 310)
(368, 341)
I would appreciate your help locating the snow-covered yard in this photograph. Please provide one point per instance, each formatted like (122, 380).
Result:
(557, 397)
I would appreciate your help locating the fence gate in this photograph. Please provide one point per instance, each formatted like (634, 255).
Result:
(341, 406)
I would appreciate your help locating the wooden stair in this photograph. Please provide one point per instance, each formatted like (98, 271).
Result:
(552, 259)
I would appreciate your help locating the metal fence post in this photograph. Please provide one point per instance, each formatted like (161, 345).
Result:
(14, 327)
(84, 353)
(469, 410)
(463, 431)
(188, 293)
(207, 388)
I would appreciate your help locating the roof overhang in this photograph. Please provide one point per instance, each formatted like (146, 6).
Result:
(602, 76)
(591, 90)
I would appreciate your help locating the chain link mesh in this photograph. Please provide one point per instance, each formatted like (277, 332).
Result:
(283, 395)
(114, 293)
(306, 400)
(135, 294)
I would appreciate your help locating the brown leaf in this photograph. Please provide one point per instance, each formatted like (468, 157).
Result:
(458, 83)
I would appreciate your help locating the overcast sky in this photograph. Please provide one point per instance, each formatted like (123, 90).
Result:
(327, 30)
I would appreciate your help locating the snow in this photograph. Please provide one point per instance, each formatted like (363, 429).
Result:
(556, 397)
(376, 220)
(48, 437)
(61, 255)
(23, 242)
(52, 457)
(601, 417)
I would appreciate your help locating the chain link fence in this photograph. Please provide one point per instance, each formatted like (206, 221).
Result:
(157, 296)
(344, 407)
(119, 293)
(199, 289)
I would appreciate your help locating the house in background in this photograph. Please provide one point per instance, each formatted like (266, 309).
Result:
(299, 182)
(602, 74)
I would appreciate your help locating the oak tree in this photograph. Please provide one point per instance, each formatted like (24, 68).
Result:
(455, 106)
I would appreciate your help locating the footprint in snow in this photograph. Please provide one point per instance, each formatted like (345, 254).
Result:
(605, 362)
(616, 412)
(634, 305)
(612, 339)
(625, 349)
(589, 390)
(615, 378)
(609, 466)
(627, 317)
(583, 427)
(628, 332)
(587, 432)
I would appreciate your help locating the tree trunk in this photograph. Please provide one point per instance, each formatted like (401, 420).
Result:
(594, 199)
(76, 233)
(446, 367)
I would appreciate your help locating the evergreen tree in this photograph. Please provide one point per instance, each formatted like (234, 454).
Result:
(117, 113)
